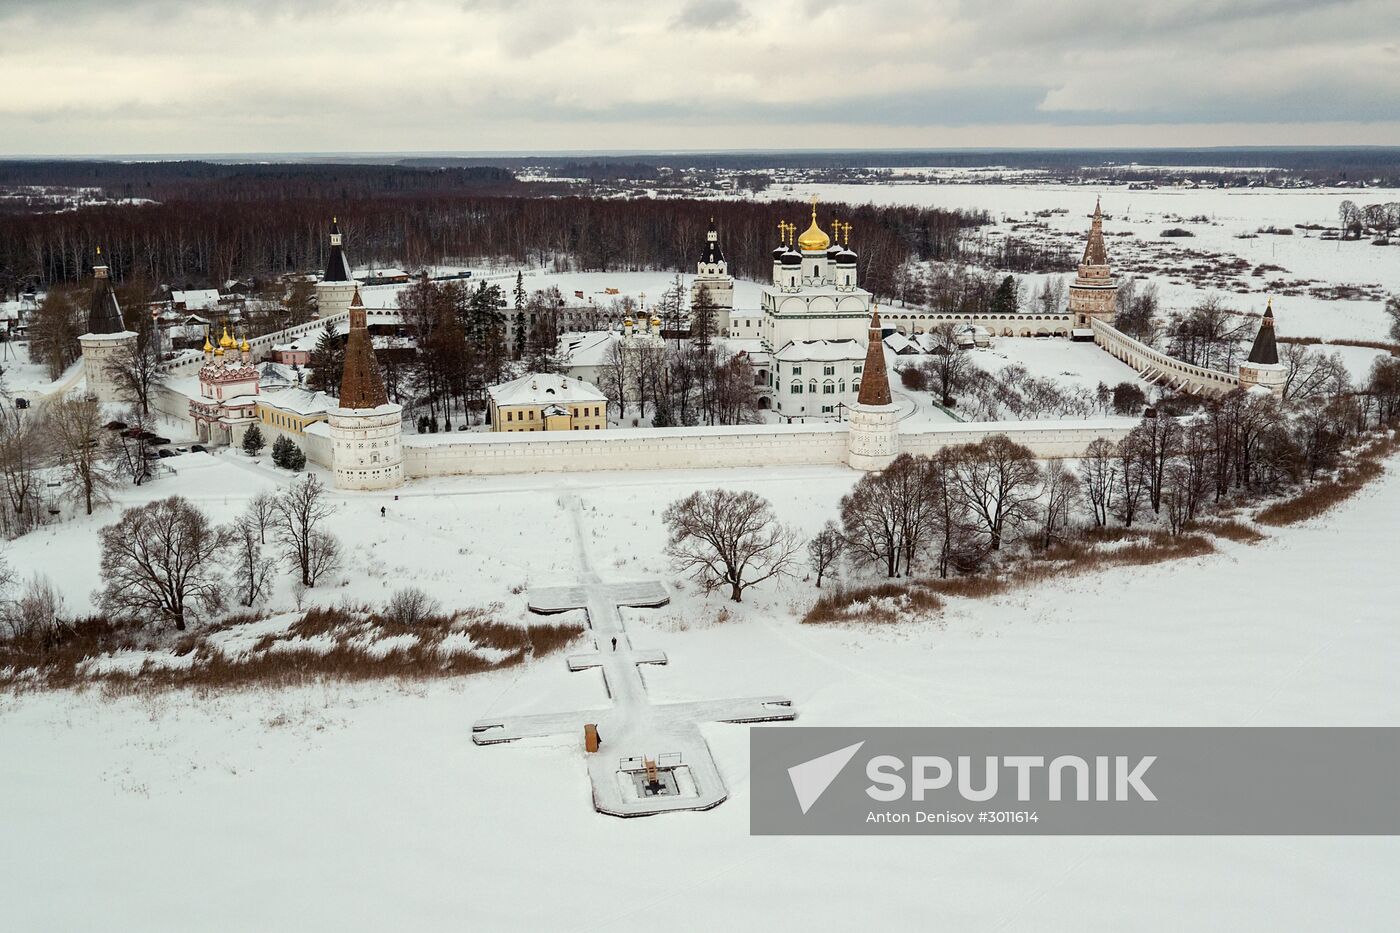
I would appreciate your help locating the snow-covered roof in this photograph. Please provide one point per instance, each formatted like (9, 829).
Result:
(199, 298)
(305, 342)
(299, 401)
(590, 348)
(544, 389)
(820, 351)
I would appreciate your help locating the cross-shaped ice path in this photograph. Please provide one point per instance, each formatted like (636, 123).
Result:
(632, 729)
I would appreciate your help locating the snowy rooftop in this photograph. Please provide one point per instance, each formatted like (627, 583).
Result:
(542, 389)
(820, 351)
(194, 299)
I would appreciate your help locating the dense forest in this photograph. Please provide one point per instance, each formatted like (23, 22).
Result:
(226, 233)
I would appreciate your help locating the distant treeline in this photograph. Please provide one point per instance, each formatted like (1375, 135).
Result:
(209, 240)
(1361, 163)
(197, 180)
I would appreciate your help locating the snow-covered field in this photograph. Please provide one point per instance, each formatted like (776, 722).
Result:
(367, 807)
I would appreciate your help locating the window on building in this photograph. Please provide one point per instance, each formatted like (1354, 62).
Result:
(797, 370)
(857, 368)
(797, 388)
(828, 370)
(828, 388)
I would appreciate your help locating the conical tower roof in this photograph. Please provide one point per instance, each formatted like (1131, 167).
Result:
(337, 266)
(104, 314)
(1095, 253)
(874, 380)
(362, 385)
(1265, 349)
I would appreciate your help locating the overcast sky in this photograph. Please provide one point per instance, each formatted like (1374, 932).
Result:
(217, 76)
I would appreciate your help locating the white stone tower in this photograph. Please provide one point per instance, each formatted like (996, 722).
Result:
(1262, 367)
(337, 285)
(107, 340)
(366, 428)
(874, 437)
(1094, 294)
(712, 277)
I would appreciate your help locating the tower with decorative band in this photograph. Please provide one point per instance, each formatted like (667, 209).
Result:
(337, 285)
(1261, 368)
(874, 436)
(107, 340)
(1093, 295)
(366, 428)
(713, 279)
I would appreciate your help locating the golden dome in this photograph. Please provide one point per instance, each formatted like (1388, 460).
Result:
(655, 320)
(814, 238)
(208, 347)
(245, 347)
(225, 341)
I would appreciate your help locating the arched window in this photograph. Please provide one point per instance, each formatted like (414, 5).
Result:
(797, 388)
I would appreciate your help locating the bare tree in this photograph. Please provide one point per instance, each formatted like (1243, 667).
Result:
(135, 368)
(162, 558)
(825, 550)
(1157, 439)
(21, 452)
(950, 360)
(998, 479)
(871, 521)
(323, 557)
(1097, 471)
(410, 606)
(727, 538)
(261, 514)
(1131, 479)
(82, 445)
(1309, 373)
(1059, 494)
(301, 508)
(252, 570)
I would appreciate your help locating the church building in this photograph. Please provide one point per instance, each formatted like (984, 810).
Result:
(712, 278)
(814, 328)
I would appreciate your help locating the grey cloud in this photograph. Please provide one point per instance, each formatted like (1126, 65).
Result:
(710, 14)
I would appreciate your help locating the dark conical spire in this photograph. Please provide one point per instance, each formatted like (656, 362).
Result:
(104, 314)
(1265, 349)
(1095, 253)
(337, 267)
(713, 253)
(874, 380)
(362, 385)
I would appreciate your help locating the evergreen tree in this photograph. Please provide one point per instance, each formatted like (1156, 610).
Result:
(253, 441)
(281, 449)
(520, 335)
(296, 459)
(1004, 301)
(327, 362)
(702, 320)
(519, 290)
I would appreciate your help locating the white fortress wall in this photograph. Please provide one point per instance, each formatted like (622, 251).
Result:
(1157, 365)
(1046, 439)
(714, 447)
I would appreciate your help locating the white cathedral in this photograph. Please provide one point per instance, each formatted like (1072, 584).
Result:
(816, 319)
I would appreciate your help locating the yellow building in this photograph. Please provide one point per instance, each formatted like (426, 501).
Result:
(546, 402)
(291, 410)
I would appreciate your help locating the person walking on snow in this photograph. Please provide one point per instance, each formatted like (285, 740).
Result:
(381, 511)
(614, 642)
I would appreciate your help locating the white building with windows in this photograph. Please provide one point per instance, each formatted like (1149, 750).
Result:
(815, 318)
(817, 378)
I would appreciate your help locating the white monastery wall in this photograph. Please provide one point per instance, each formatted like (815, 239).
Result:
(701, 448)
